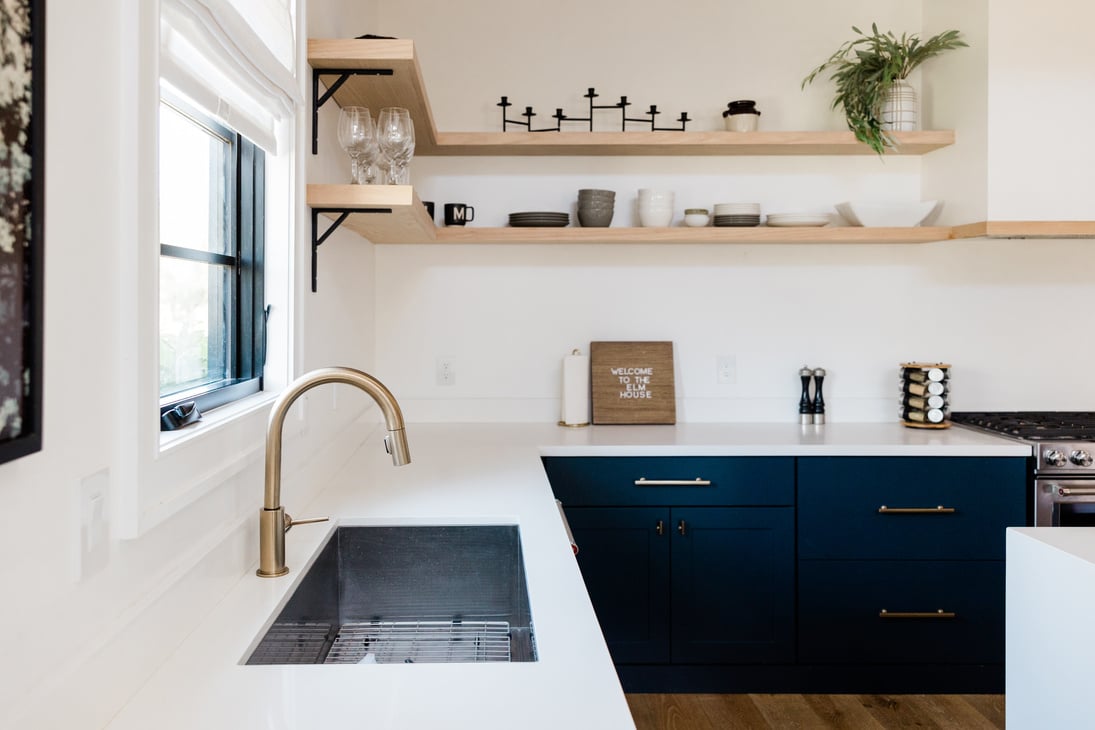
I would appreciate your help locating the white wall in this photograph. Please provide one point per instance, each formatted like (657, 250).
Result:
(77, 647)
(1041, 166)
(506, 315)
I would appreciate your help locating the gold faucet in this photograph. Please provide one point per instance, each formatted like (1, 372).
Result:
(273, 520)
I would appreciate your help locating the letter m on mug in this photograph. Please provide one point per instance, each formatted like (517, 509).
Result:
(632, 382)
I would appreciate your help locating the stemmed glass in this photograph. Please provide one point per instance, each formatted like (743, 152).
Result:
(395, 138)
(357, 135)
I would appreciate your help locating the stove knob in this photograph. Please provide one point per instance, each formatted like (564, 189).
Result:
(1080, 458)
(1053, 457)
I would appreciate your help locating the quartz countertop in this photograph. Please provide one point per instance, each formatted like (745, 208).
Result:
(469, 474)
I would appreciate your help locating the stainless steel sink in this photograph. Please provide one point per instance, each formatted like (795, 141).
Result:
(407, 594)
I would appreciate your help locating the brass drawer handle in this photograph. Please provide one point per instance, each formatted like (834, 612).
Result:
(940, 510)
(916, 614)
(697, 482)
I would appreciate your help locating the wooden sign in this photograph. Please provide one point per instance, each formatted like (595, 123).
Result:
(632, 382)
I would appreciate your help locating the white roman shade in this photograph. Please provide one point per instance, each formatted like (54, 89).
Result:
(234, 58)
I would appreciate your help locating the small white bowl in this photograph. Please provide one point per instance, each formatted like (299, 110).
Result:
(696, 217)
(888, 215)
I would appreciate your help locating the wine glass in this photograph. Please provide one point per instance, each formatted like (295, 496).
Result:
(357, 135)
(395, 139)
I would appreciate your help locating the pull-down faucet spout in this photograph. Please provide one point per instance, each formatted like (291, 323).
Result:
(273, 521)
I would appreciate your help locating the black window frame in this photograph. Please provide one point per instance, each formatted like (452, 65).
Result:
(245, 173)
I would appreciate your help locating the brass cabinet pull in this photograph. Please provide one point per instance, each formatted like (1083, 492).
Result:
(660, 527)
(697, 482)
(681, 527)
(940, 510)
(916, 614)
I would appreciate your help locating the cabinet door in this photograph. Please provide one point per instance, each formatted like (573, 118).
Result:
(733, 585)
(625, 564)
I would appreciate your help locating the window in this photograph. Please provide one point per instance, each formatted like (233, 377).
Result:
(212, 309)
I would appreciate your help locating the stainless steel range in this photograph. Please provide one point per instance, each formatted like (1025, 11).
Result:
(1064, 459)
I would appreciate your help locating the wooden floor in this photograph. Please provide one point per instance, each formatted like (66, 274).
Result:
(786, 711)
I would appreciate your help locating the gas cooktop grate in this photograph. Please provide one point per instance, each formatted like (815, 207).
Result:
(1033, 425)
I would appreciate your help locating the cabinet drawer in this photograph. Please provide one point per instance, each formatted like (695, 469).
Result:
(611, 480)
(840, 504)
(840, 604)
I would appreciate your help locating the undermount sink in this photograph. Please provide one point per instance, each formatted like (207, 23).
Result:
(407, 594)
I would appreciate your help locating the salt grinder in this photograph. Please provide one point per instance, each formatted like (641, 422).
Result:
(819, 401)
(805, 405)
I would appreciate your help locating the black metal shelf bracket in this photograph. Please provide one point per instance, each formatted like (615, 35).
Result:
(318, 238)
(319, 99)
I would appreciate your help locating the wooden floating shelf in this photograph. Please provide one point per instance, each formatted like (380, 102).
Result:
(1027, 229)
(406, 88)
(678, 143)
(405, 220)
(684, 234)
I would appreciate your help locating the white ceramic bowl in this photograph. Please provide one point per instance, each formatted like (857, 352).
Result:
(888, 215)
(696, 220)
(655, 218)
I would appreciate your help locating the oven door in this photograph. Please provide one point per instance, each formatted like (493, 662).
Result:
(1064, 502)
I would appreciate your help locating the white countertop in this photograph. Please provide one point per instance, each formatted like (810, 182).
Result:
(469, 474)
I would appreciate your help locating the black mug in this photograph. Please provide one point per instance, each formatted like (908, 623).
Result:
(429, 207)
(457, 214)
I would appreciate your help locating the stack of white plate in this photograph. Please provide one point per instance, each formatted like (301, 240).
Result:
(539, 219)
(797, 220)
(737, 214)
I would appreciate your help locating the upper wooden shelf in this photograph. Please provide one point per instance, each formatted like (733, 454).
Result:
(405, 88)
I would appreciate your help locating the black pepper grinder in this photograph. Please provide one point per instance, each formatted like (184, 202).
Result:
(819, 401)
(805, 405)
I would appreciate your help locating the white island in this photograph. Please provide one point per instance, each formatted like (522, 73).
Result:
(1050, 635)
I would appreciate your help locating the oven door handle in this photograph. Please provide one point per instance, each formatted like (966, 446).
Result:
(1075, 492)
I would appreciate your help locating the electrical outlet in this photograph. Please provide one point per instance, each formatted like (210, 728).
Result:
(446, 372)
(94, 523)
(726, 370)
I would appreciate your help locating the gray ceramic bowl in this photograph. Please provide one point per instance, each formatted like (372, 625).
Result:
(592, 219)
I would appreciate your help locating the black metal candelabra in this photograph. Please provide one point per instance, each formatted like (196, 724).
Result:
(591, 94)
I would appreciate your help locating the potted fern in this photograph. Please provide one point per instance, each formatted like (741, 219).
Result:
(870, 73)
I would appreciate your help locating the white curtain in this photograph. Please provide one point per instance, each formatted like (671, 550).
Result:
(234, 58)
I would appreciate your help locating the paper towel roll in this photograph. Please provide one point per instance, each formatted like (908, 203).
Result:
(575, 410)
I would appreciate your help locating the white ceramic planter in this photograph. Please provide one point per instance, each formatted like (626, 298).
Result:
(900, 110)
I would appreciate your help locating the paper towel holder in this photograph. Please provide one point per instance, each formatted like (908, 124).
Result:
(562, 422)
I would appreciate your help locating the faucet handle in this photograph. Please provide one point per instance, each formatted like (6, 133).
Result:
(289, 521)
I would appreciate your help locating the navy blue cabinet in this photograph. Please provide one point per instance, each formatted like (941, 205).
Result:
(810, 574)
(901, 559)
(623, 553)
(689, 577)
(733, 585)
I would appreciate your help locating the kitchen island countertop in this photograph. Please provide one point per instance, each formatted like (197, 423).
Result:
(469, 474)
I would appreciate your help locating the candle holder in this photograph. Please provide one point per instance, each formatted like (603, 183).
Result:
(591, 94)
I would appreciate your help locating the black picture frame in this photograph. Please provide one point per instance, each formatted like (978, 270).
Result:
(22, 195)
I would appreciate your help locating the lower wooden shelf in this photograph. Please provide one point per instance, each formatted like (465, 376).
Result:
(394, 214)
(759, 234)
